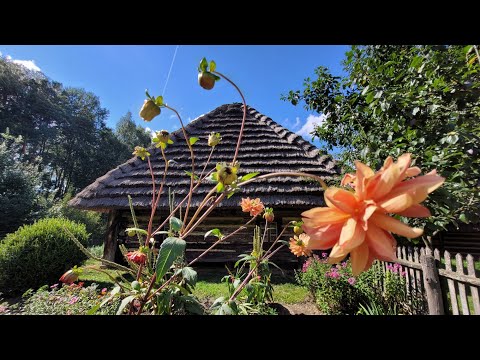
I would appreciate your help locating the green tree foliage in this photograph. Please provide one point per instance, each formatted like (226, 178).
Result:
(20, 201)
(39, 254)
(95, 222)
(63, 129)
(396, 99)
(131, 135)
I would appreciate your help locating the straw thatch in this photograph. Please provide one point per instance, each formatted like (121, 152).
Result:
(266, 147)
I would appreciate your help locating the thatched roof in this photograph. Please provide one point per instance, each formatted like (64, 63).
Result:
(266, 147)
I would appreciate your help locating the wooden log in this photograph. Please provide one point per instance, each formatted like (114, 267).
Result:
(451, 284)
(461, 286)
(432, 284)
(473, 289)
(110, 244)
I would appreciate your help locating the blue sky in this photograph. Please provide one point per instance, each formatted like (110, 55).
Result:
(120, 74)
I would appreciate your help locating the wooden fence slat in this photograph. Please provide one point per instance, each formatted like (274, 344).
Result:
(461, 286)
(473, 289)
(451, 284)
(418, 274)
(411, 270)
(407, 277)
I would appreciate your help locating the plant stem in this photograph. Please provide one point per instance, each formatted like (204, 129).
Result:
(200, 207)
(209, 210)
(187, 140)
(244, 114)
(206, 164)
(220, 240)
(180, 204)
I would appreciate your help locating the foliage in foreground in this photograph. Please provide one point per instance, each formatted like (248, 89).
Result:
(38, 254)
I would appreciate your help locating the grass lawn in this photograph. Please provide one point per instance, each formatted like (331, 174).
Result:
(209, 287)
(90, 276)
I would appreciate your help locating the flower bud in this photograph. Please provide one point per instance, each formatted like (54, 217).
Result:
(206, 80)
(70, 276)
(137, 256)
(214, 139)
(268, 215)
(149, 110)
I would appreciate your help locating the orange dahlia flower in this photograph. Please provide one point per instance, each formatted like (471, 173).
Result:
(137, 256)
(357, 221)
(254, 206)
(299, 245)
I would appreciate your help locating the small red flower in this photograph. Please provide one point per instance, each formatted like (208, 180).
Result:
(137, 257)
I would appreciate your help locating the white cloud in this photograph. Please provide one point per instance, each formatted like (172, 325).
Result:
(29, 64)
(308, 127)
(297, 122)
(148, 130)
(9, 57)
(173, 116)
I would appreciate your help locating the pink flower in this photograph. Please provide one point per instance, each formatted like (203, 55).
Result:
(3, 309)
(137, 256)
(324, 254)
(104, 291)
(351, 281)
(54, 286)
(344, 264)
(73, 300)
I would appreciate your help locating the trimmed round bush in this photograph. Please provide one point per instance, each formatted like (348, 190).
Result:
(39, 254)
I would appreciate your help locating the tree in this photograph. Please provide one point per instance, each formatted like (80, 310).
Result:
(131, 135)
(396, 99)
(20, 201)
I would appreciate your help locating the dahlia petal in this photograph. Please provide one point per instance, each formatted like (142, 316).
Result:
(396, 204)
(365, 170)
(338, 253)
(416, 210)
(347, 179)
(322, 216)
(412, 171)
(359, 258)
(419, 194)
(381, 242)
(369, 210)
(388, 179)
(403, 164)
(431, 181)
(390, 224)
(341, 199)
(352, 235)
(324, 237)
(388, 162)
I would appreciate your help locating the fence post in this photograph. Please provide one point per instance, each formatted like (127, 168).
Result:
(431, 283)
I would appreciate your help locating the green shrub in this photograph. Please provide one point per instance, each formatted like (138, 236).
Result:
(68, 300)
(39, 254)
(95, 222)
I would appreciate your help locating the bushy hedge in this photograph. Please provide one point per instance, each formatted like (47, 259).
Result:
(39, 254)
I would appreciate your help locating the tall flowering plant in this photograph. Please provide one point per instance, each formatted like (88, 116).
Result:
(355, 220)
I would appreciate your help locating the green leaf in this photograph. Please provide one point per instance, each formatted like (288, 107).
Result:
(364, 91)
(124, 303)
(192, 305)
(220, 187)
(93, 310)
(193, 140)
(190, 275)
(203, 65)
(230, 194)
(195, 177)
(369, 97)
(148, 95)
(170, 250)
(137, 230)
(175, 224)
(249, 176)
(463, 218)
(159, 100)
(214, 232)
(213, 65)
(170, 141)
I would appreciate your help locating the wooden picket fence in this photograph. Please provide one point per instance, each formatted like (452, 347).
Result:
(444, 285)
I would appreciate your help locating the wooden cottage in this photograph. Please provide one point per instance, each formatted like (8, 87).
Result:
(266, 147)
